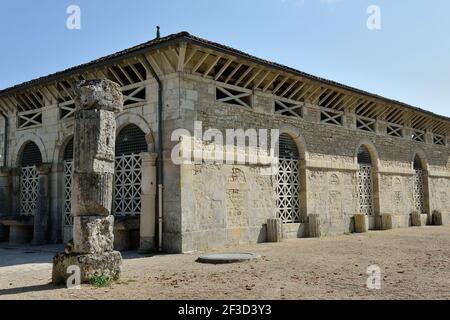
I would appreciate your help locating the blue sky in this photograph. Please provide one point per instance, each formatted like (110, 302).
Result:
(408, 59)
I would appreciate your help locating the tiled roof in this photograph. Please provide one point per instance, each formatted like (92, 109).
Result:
(213, 45)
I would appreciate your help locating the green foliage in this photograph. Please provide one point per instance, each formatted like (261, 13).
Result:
(103, 281)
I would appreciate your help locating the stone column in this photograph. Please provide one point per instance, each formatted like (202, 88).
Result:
(97, 102)
(5, 200)
(41, 213)
(148, 203)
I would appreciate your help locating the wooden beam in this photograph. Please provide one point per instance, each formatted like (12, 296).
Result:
(151, 60)
(189, 58)
(181, 57)
(167, 60)
(270, 82)
(256, 86)
(206, 73)
(233, 72)
(222, 70)
(200, 62)
(250, 68)
(252, 78)
(279, 85)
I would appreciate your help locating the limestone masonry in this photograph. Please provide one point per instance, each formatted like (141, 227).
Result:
(349, 160)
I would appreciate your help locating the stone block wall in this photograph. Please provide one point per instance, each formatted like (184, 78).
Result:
(215, 216)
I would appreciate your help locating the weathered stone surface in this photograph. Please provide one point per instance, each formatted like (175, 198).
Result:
(416, 219)
(41, 212)
(314, 226)
(361, 223)
(386, 221)
(93, 234)
(94, 143)
(437, 218)
(108, 264)
(274, 230)
(99, 94)
(92, 194)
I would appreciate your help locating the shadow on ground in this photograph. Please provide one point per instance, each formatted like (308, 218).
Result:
(44, 287)
(26, 254)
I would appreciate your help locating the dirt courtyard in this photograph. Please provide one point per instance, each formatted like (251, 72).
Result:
(415, 264)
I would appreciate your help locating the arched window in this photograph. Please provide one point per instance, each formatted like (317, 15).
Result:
(419, 189)
(68, 178)
(130, 143)
(365, 184)
(288, 181)
(30, 158)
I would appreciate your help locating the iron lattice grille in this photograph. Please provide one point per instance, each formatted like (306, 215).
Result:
(67, 206)
(287, 191)
(419, 196)
(127, 185)
(365, 189)
(28, 190)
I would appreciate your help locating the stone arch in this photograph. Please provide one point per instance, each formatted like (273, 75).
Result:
(295, 134)
(421, 197)
(421, 155)
(22, 142)
(58, 155)
(128, 118)
(375, 159)
(368, 181)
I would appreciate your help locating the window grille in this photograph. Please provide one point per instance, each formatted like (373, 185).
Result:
(31, 157)
(365, 124)
(287, 183)
(394, 130)
(418, 136)
(439, 140)
(331, 117)
(419, 195)
(29, 118)
(130, 144)
(365, 194)
(288, 109)
(234, 97)
(68, 179)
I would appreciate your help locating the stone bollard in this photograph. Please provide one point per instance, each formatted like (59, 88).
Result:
(96, 102)
(416, 219)
(361, 223)
(386, 221)
(274, 230)
(314, 226)
(437, 218)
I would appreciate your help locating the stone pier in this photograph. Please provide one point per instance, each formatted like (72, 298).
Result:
(92, 250)
(41, 213)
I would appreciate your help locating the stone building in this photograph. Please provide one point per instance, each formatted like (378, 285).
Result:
(343, 152)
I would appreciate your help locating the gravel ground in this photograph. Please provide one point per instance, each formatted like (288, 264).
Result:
(415, 264)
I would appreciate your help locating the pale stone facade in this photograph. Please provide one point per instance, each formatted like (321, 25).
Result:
(213, 205)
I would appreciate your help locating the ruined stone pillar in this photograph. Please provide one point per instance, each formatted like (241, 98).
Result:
(148, 203)
(41, 213)
(96, 102)
(5, 200)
